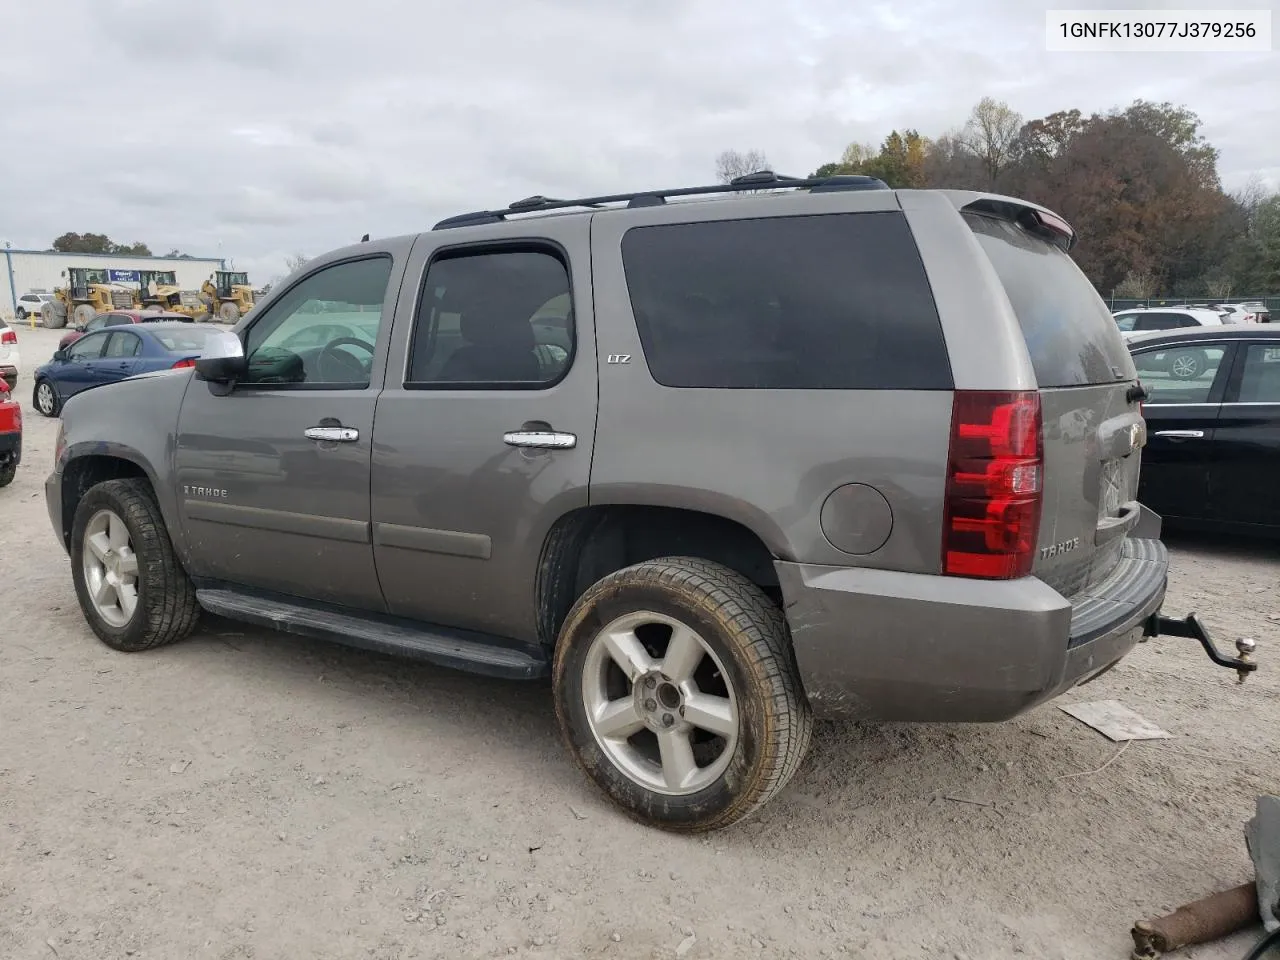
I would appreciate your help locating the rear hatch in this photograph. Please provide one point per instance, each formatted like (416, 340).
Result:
(1093, 433)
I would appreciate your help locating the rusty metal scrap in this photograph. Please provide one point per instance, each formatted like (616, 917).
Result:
(1209, 919)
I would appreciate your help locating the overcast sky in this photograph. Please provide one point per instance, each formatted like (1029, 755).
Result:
(263, 128)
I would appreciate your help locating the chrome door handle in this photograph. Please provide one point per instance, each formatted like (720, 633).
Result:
(332, 434)
(1181, 434)
(540, 439)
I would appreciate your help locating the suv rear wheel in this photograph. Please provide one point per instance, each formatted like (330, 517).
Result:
(132, 589)
(677, 692)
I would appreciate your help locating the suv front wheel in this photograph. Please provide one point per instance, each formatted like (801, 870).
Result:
(131, 587)
(677, 692)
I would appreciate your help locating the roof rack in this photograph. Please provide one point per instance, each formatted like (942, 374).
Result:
(761, 180)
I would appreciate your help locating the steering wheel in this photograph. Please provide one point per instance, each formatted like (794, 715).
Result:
(332, 361)
(309, 335)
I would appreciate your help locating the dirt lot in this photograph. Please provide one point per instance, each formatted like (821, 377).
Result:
(250, 795)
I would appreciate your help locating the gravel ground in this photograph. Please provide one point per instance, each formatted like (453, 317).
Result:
(246, 794)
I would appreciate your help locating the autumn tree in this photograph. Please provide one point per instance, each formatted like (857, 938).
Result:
(1138, 183)
(899, 161)
(948, 164)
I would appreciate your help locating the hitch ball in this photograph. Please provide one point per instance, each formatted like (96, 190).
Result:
(1245, 646)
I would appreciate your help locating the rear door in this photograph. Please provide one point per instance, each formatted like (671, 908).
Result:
(1246, 455)
(1093, 431)
(1185, 382)
(486, 425)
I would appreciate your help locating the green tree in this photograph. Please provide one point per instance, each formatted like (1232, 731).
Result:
(97, 243)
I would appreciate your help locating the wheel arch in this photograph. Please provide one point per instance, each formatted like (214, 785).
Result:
(83, 471)
(589, 543)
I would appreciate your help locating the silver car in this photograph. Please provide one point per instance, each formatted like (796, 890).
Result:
(711, 467)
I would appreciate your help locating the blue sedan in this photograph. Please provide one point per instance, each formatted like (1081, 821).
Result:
(114, 353)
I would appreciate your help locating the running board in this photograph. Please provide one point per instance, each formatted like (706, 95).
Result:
(457, 649)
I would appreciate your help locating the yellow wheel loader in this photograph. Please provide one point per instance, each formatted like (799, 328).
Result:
(86, 293)
(227, 295)
(158, 290)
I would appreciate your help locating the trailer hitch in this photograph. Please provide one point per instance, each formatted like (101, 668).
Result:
(1192, 628)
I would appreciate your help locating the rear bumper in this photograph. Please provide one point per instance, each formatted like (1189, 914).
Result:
(900, 646)
(10, 448)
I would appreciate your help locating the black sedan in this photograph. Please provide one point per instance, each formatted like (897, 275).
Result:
(1213, 426)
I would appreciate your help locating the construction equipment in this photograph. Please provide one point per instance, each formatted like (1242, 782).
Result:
(87, 293)
(158, 290)
(228, 295)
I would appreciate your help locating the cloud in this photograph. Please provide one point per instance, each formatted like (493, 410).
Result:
(265, 129)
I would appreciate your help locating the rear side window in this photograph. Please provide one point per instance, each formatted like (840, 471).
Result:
(1071, 336)
(837, 301)
(493, 319)
(1260, 382)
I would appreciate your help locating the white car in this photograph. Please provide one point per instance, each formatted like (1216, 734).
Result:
(10, 362)
(29, 304)
(1239, 313)
(1145, 319)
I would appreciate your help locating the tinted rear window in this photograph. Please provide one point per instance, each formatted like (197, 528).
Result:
(836, 301)
(1071, 336)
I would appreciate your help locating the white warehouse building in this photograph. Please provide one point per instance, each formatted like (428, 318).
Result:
(26, 271)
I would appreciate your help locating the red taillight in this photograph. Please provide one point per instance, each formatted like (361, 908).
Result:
(187, 362)
(8, 336)
(995, 485)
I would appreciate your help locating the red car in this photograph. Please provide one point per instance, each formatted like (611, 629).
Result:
(10, 435)
(117, 317)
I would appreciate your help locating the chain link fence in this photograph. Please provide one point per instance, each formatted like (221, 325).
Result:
(1121, 303)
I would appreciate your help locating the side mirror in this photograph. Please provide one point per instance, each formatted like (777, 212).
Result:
(60, 355)
(222, 360)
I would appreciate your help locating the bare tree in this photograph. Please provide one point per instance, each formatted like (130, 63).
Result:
(731, 164)
(1251, 195)
(1219, 287)
(295, 262)
(1137, 285)
(991, 133)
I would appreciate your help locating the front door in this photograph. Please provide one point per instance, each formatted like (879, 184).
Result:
(486, 426)
(120, 358)
(273, 477)
(78, 372)
(1185, 384)
(1246, 467)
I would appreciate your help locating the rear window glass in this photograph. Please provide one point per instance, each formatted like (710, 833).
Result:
(1071, 336)
(836, 301)
(183, 340)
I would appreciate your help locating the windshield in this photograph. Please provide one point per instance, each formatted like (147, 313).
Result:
(237, 279)
(1125, 321)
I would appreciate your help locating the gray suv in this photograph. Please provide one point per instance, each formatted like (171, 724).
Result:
(712, 459)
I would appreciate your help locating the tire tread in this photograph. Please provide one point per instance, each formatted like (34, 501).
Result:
(170, 607)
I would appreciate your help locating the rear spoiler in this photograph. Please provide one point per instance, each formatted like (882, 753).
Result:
(1032, 217)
